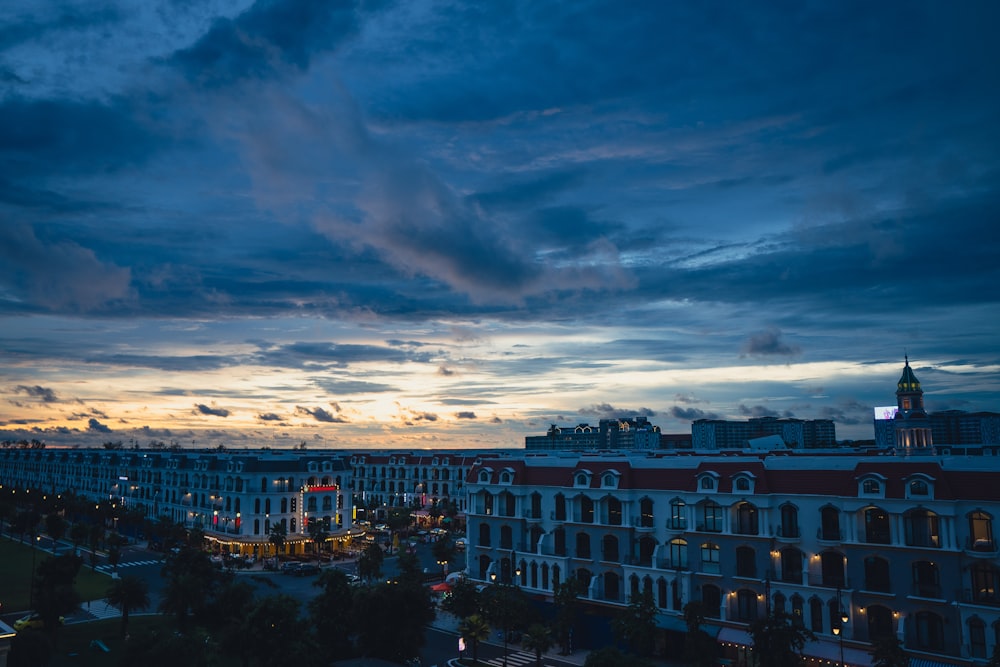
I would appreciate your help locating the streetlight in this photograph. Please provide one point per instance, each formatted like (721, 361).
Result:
(505, 607)
(838, 628)
(444, 564)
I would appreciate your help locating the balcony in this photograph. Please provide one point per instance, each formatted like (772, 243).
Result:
(643, 524)
(829, 535)
(926, 590)
(788, 534)
(981, 548)
(532, 517)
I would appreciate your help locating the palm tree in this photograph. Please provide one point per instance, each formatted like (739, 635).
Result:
(474, 629)
(537, 638)
(128, 593)
(279, 533)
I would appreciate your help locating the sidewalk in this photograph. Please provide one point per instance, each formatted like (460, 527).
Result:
(445, 622)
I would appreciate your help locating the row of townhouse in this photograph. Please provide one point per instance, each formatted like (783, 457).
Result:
(870, 546)
(237, 497)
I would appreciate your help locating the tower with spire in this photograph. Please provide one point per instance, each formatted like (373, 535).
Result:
(912, 425)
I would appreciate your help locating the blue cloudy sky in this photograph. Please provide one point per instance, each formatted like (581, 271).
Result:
(429, 224)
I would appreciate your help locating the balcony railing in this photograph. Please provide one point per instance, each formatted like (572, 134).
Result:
(829, 534)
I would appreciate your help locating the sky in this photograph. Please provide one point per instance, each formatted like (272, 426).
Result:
(438, 225)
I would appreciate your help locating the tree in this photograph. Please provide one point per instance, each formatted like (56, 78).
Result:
(610, 656)
(275, 634)
(226, 618)
(474, 629)
(128, 593)
(700, 648)
(464, 600)
(411, 610)
(636, 624)
(78, 533)
(567, 610)
(54, 593)
(537, 639)
(318, 534)
(397, 519)
(191, 581)
(443, 550)
(331, 613)
(778, 640)
(278, 536)
(114, 549)
(55, 526)
(370, 562)
(888, 652)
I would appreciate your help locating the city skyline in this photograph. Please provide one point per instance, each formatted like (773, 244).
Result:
(446, 225)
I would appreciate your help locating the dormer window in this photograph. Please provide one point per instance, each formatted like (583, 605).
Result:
(609, 480)
(919, 486)
(506, 477)
(742, 484)
(872, 486)
(484, 476)
(582, 478)
(708, 482)
(311, 466)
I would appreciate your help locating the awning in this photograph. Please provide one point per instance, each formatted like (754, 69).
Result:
(441, 587)
(830, 651)
(735, 636)
(922, 662)
(671, 622)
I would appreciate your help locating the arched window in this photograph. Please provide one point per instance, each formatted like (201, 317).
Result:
(646, 513)
(746, 605)
(507, 504)
(797, 606)
(981, 532)
(711, 600)
(779, 603)
(876, 526)
(918, 487)
(609, 548)
(829, 528)
(545, 576)
(711, 517)
(647, 546)
(586, 510)
(582, 545)
(484, 535)
(832, 567)
(506, 537)
(678, 553)
(612, 586)
(789, 521)
(614, 511)
(879, 622)
(815, 615)
(977, 637)
(535, 505)
(746, 562)
(870, 486)
(877, 574)
(985, 579)
(746, 519)
(661, 593)
(922, 528)
(926, 579)
(678, 515)
(710, 558)
(742, 484)
(791, 565)
(930, 631)
(560, 507)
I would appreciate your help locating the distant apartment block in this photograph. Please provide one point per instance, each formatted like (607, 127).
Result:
(709, 434)
(623, 433)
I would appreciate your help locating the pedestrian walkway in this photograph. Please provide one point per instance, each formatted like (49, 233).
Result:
(108, 569)
(98, 610)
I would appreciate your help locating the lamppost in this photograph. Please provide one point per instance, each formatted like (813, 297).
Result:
(838, 628)
(444, 565)
(31, 585)
(505, 607)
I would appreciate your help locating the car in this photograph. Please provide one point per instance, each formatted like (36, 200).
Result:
(290, 568)
(307, 570)
(33, 621)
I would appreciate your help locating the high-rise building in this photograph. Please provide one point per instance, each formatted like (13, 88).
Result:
(622, 433)
(795, 433)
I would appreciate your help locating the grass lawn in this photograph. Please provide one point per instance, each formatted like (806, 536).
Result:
(15, 576)
(72, 645)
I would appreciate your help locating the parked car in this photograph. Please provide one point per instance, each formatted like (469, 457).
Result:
(290, 568)
(307, 570)
(32, 621)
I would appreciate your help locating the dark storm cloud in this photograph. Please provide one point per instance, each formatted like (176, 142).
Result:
(44, 393)
(214, 412)
(320, 415)
(97, 427)
(465, 415)
(270, 417)
(691, 414)
(763, 411)
(769, 343)
(608, 411)
(267, 39)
